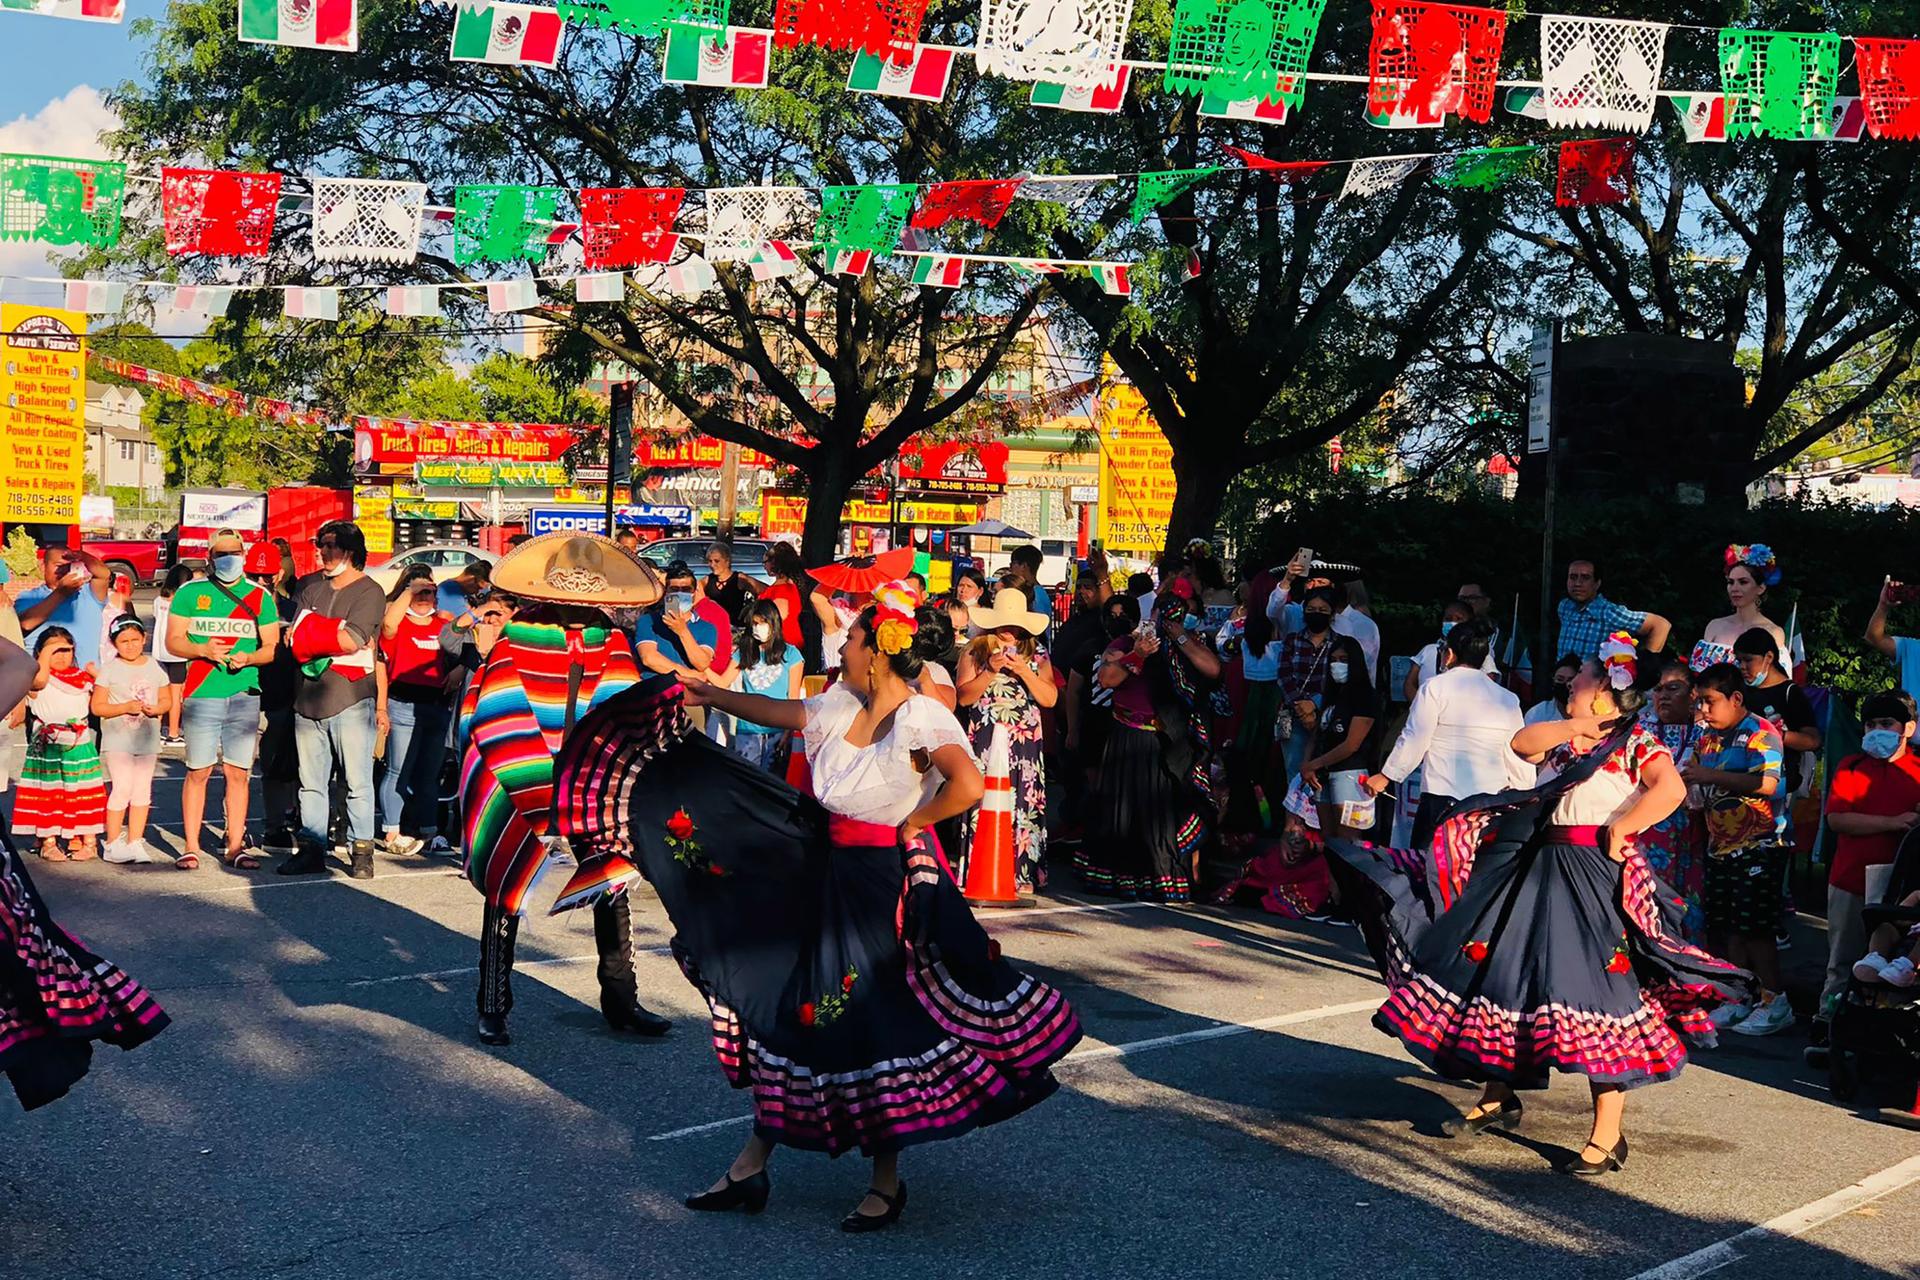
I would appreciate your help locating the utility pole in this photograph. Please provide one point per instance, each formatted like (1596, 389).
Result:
(729, 503)
(1541, 438)
(619, 443)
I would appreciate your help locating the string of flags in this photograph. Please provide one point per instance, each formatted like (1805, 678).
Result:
(1242, 59)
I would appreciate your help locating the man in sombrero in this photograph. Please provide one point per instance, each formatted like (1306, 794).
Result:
(558, 658)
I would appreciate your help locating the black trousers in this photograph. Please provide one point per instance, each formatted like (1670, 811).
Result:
(612, 937)
(1426, 819)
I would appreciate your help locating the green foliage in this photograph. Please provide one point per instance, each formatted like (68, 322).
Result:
(1417, 549)
(501, 388)
(22, 557)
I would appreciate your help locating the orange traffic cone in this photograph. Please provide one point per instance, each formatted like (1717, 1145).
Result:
(990, 871)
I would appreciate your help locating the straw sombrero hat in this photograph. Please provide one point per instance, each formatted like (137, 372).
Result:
(578, 568)
(1009, 609)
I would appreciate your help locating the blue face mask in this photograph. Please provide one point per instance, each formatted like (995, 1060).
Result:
(1755, 680)
(228, 568)
(1446, 629)
(1881, 744)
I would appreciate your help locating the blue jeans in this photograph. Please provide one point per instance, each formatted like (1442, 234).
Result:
(345, 739)
(761, 748)
(416, 749)
(219, 729)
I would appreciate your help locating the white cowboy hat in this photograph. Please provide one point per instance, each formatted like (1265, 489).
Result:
(1009, 609)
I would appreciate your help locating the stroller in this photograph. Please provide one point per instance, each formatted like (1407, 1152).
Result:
(1876, 1028)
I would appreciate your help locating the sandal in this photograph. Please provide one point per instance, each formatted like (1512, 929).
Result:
(188, 861)
(51, 851)
(83, 852)
(242, 860)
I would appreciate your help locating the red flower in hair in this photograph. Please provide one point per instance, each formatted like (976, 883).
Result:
(1475, 951)
(680, 825)
(806, 1015)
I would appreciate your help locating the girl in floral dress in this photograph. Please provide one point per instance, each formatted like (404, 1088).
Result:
(1004, 678)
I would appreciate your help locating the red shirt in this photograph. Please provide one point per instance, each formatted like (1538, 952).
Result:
(413, 656)
(789, 625)
(1881, 788)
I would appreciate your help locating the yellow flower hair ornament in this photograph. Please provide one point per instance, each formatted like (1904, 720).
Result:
(1619, 652)
(893, 632)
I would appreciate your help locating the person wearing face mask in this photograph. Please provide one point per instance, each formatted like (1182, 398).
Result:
(412, 709)
(1005, 680)
(1554, 705)
(1872, 802)
(1675, 845)
(227, 629)
(771, 668)
(1303, 670)
(337, 616)
(1427, 664)
(1342, 743)
(1772, 696)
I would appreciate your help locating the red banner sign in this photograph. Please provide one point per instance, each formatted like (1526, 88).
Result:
(403, 440)
(954, 467)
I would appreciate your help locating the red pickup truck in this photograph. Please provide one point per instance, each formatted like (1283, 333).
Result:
(145, 562)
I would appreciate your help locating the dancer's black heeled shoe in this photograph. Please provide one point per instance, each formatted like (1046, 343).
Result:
(858, 1222)
(1506, 1116)
(748, 1193)
(1581, 1167)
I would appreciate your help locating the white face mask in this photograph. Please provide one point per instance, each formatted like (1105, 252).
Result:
(337, 568)
(762, 632)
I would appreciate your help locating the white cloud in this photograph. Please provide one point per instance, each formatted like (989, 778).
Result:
(70, 125)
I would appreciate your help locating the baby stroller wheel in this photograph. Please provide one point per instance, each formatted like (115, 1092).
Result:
(1843, 1075)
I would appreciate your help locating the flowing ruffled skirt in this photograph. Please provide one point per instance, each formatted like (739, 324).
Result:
(1548, 956)
(852, 992)
(1141, 841)
(57, 997)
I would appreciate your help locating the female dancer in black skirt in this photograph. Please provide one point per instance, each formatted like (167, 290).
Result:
(1533, 937)
(56, 997)
(851, 989)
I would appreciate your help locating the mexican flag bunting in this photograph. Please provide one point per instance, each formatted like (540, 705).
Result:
(1847, 121)
(774, 259)
(1703, 116)
(1595, 171)
(95, 297)
(1191, 271)
(515, 35)
(58, 200)
(923, 79)
(413, 300)
(302, 24)
(1112, 279)
(213, 211)
(1268, 109)
(1889, 86)
(1429, 61)
(201, 299)
(1034, 267)
(79, 10)
(1285, 172)
(693, 276)
(312, 304)
(852, 262)
(505, 296)
(734, 60)
(1104, 97)
(938, 271)
(984, 201)
(608, 287)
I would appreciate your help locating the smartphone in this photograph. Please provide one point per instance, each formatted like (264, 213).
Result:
(680, 602)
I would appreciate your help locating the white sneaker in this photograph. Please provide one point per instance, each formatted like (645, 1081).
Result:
(1900, 973)
(1870, 968)
(116, 851)
(1774, 1016)
(1728, 1014)
(137, 851)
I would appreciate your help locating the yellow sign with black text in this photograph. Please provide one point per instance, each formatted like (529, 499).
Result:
(43, 396)
(1136, 475)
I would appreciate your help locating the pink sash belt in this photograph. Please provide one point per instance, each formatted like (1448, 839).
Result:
(852, 833)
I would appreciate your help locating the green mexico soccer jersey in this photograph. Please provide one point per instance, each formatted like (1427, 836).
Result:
(212, 614)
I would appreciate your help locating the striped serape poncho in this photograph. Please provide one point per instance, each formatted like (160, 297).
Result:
(512, 721)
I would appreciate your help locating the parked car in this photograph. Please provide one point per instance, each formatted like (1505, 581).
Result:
(749, 555)
(446, 559)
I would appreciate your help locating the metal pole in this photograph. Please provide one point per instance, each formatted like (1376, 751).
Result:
(619, 441)
(1548, 612)
(729, 503)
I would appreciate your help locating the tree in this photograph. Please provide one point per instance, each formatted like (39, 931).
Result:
(500, 388)
(826, 374)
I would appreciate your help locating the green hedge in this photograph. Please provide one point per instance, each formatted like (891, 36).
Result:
(1416, 549)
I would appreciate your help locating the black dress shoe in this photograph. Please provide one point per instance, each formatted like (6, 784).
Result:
(493, 1029)
(630, 1015)
(1581, 1167)
(858, 1222)
(1507, 1117)
(308, 860)
(748, 1193)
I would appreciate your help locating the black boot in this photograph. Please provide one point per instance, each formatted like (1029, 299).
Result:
(307, 860)
(362, 868)
(498, 930)
(619, 992)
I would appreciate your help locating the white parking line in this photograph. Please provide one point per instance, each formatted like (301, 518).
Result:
(1787, 1226)
(296, 882)
(1106, 1052)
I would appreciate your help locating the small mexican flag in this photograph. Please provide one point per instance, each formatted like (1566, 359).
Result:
(1528, 103)
(515, 35)
(1105, 97)
(607, 287)
(924, 78)
(413, 300)
(1193, 268)
(79, 10)
(95, 297)
(1703, 116)
(1266, 110)
(504, 296)
(311, 304)
(1112, 278)
(302, 24)
(1035, 267)
(852, 262)
(1847, 120)
(736, 59)
(693, 276)
(202, 300)
(772, 260)
(937, 271)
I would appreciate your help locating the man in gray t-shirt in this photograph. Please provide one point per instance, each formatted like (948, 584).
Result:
(336, 626)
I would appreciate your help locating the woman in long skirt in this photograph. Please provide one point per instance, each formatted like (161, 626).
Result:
(1532, 937)
(1005, 680)
(56, 997)
(851, 989)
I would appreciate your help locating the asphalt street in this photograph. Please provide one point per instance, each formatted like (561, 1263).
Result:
(320, 1108)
